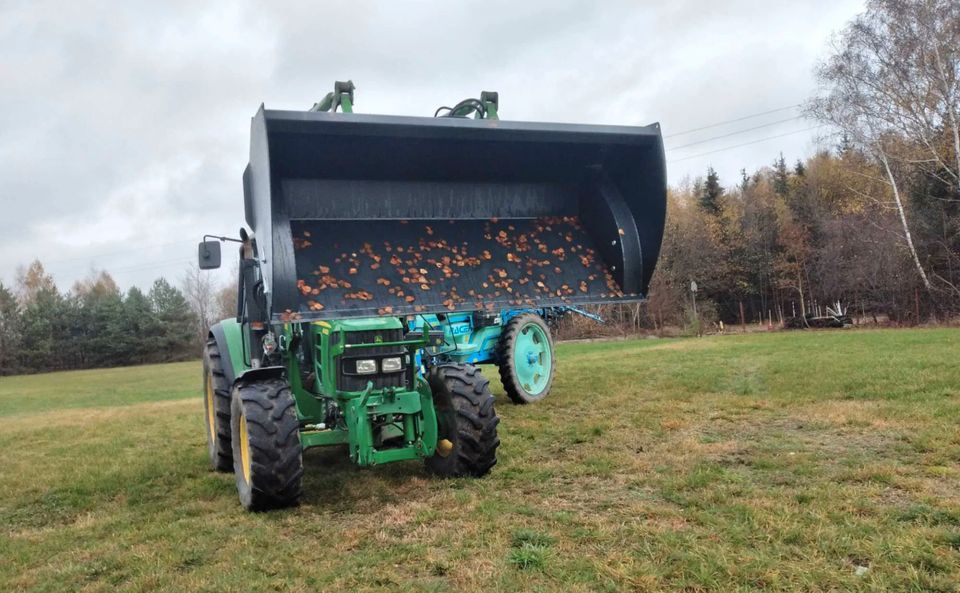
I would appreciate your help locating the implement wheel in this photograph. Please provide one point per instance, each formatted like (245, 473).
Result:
(267, 457)
(216, 409)
(467, 421)
(525, 357)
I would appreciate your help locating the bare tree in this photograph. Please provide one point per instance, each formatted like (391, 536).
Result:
(226, 301)
(892, 86)
(201, 296)
(226, 296)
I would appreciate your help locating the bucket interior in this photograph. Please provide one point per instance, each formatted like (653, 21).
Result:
(387, 215)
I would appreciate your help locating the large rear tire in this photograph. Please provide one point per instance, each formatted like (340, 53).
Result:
(526, 360)
(467, 422)
(267, 456)
(216, 408)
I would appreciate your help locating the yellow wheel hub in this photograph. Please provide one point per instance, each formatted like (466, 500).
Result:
(211, 413)
(444, 447)
(244, 449)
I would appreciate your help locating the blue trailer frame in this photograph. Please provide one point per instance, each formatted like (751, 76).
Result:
(476, 337)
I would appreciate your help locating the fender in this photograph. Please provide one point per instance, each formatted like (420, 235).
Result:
(229, 338)
(262, 373)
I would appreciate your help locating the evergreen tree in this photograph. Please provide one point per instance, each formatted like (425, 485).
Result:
(177, 321)
(845, 146)
(9, 331)
(141, 324)
(100, 316)
(781, 177)
(77, 331)
(711, 193)
(44, 326)
(109, 345)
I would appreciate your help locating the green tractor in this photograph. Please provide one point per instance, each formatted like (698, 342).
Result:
(365, 234)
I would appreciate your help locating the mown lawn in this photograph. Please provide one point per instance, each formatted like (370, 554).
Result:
(813, 461)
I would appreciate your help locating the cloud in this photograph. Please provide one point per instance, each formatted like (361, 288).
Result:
(125, 126)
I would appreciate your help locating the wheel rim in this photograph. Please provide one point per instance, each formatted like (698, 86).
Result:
(444, 447)
(211, 413)
(532, 358)
(244, 449)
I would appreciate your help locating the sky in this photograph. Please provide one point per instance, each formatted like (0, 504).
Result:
(124, 126)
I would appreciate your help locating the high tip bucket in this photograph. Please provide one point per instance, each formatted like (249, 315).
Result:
(360, 215)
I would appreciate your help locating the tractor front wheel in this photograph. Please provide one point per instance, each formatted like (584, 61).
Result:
(525, 357)
(216, 409)
(267, 456)
(466, 421)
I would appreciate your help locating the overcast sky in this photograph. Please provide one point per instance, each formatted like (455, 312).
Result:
(124, 127)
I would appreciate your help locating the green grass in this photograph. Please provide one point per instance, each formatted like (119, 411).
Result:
(816, 461)
(29, 394)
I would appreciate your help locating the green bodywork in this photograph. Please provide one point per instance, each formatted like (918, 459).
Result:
(404, 417)
(237, 347)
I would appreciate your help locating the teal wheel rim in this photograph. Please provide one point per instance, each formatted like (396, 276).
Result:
(532, 359)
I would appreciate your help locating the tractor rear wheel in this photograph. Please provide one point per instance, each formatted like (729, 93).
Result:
(216, 408)
(467, 421)
(525, 357)
(267, 456)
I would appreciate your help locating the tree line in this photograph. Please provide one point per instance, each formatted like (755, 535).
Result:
(788, 242)
(95, 324)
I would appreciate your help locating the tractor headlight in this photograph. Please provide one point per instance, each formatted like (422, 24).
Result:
(366, 367)
(391, 365)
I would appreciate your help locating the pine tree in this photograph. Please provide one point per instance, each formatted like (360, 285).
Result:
(845, 145)
(141, 324)
(177, 321)
(9, 331)
(44, 326)
(781, 177)
(711, 193)
(113, 343)
(107, 343)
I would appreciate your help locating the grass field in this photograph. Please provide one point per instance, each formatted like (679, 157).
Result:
(814, 461)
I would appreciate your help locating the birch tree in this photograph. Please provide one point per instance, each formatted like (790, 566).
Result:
(891, 86)
(200, 294)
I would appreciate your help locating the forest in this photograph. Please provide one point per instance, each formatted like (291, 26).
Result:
(95, 324)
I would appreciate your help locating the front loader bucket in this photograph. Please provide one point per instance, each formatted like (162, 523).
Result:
(361, 215)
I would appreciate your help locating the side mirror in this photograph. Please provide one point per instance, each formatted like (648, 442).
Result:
(209, 253)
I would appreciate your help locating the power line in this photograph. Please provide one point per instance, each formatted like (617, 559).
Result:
(148, 265)
(745, 144)
(113, 253)
(732, 121)
(737, 133)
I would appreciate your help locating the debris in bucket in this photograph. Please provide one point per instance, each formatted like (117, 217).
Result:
(288, 315)
(462, 265)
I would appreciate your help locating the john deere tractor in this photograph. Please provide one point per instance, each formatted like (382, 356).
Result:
(375, 243)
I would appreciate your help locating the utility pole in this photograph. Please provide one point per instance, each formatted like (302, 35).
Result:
(696, 316)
